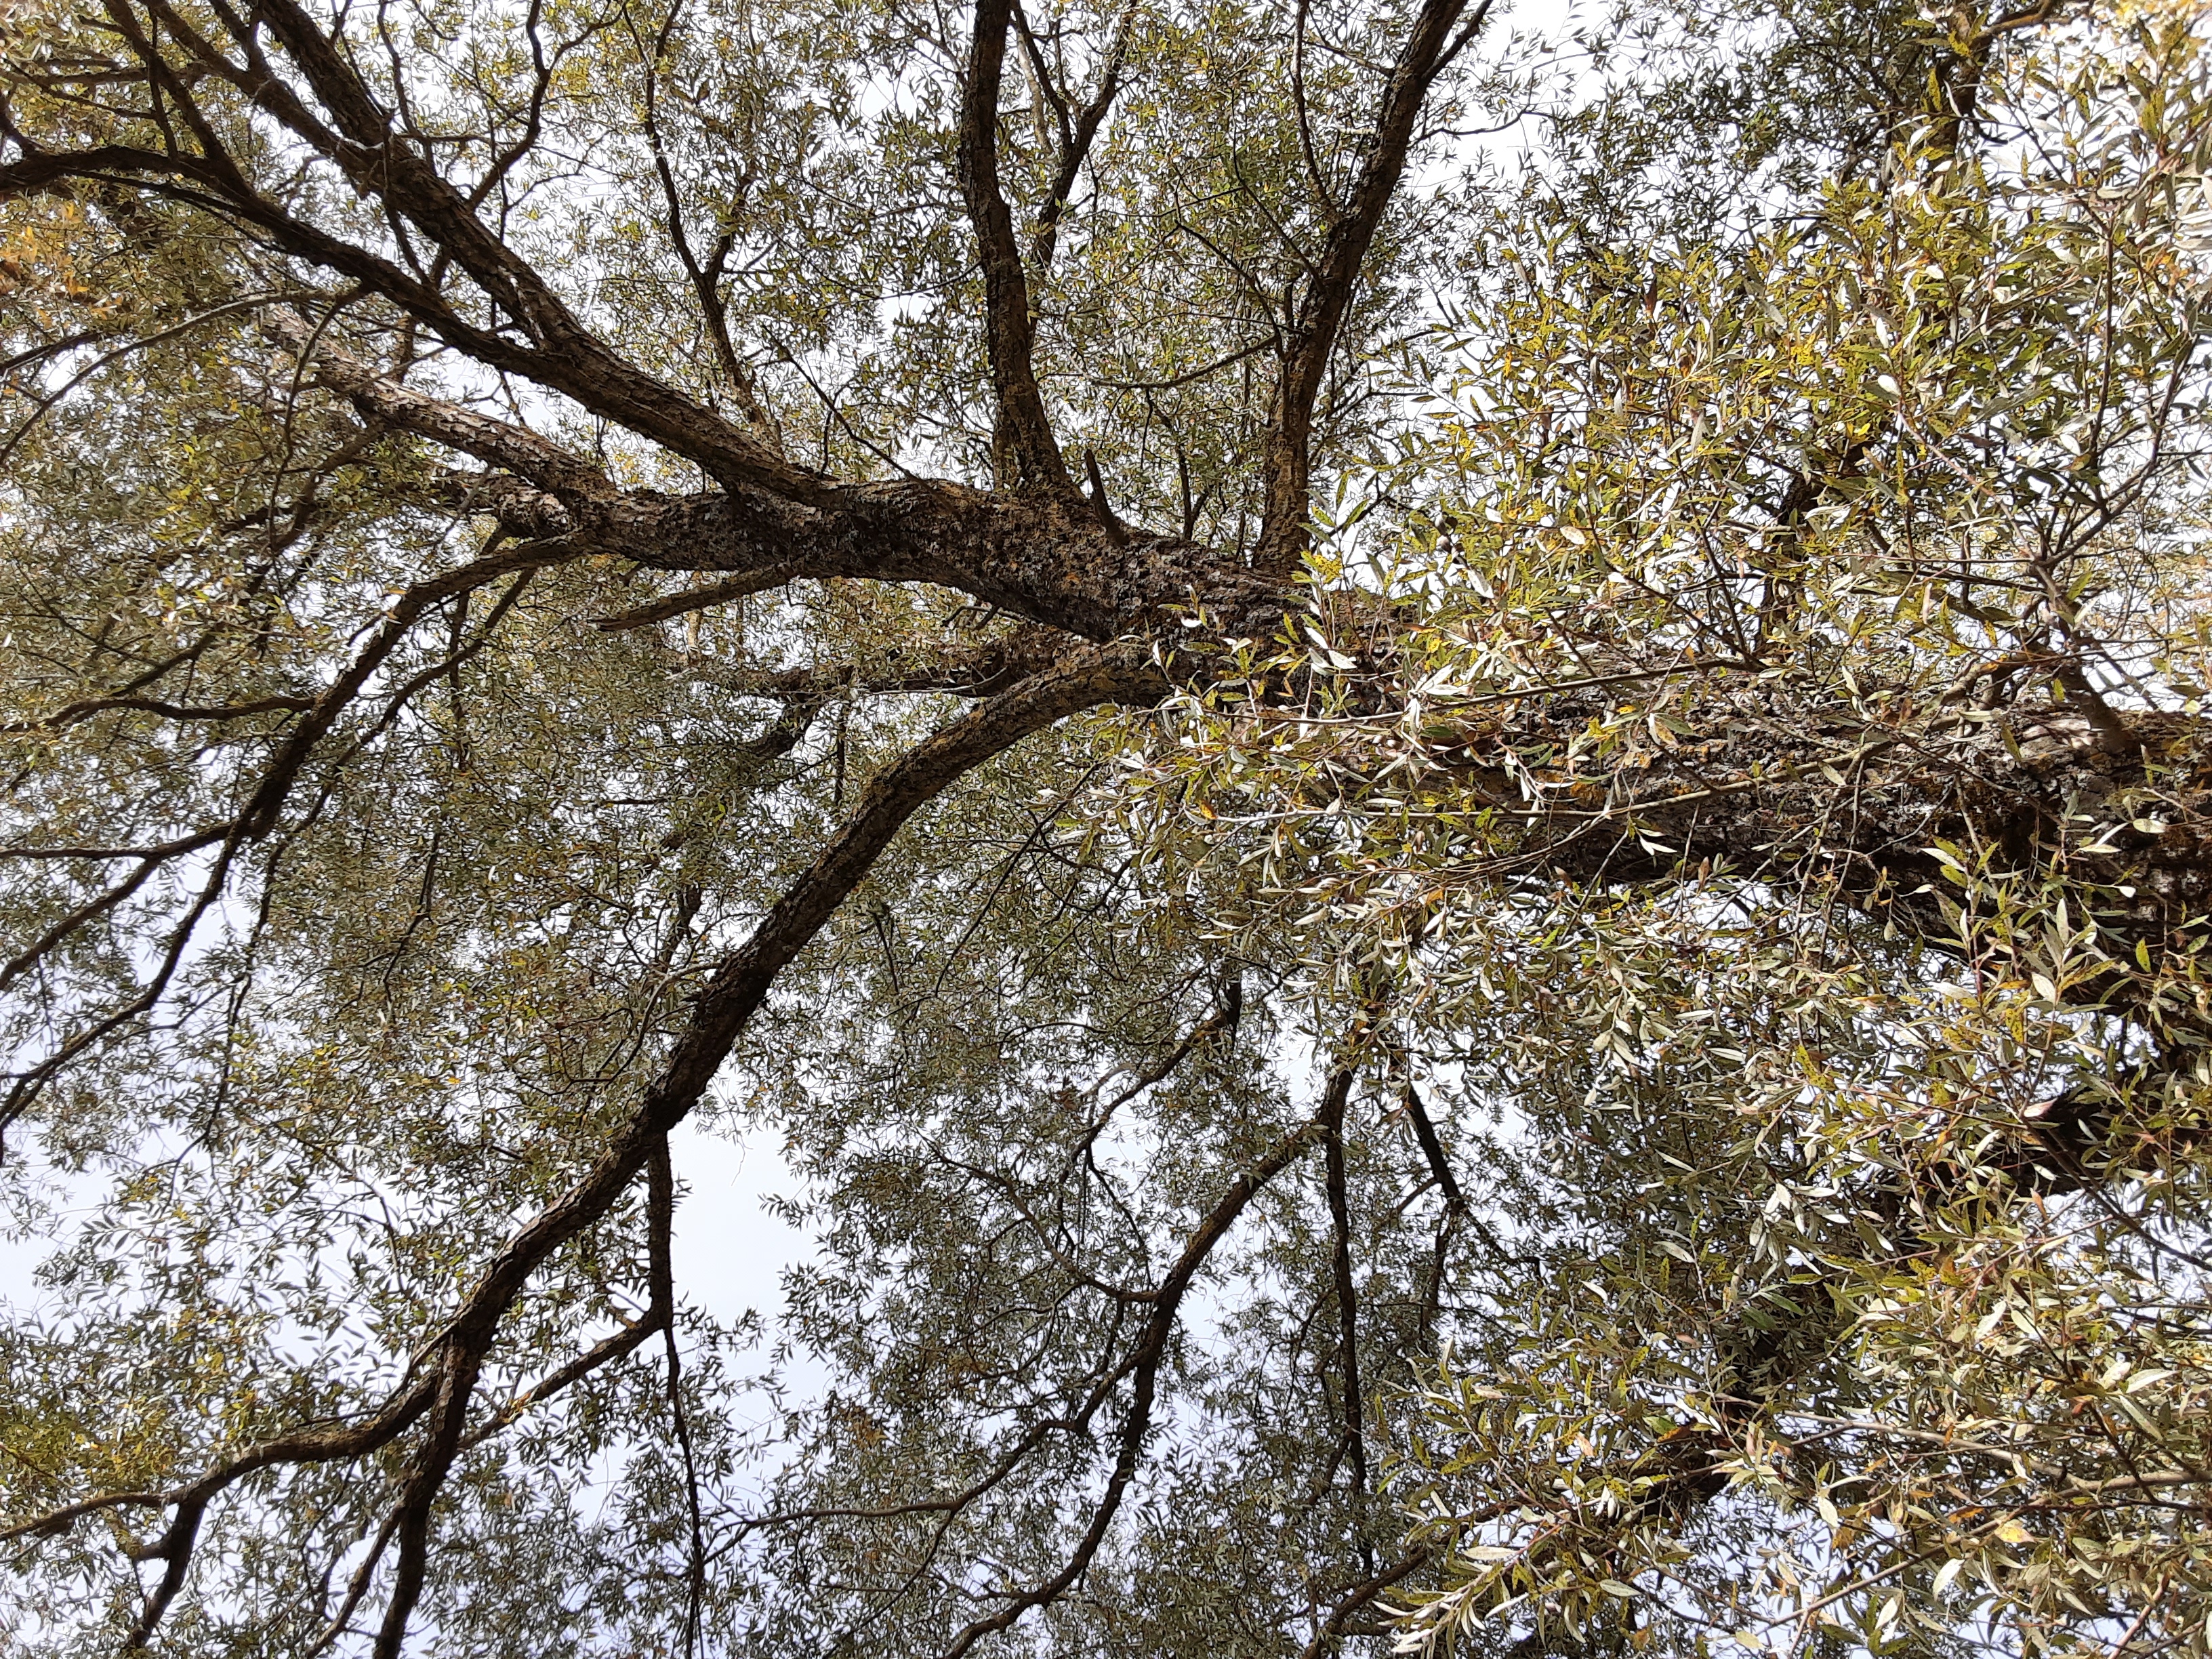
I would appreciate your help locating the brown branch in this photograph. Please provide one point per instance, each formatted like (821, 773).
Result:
(211, 183)
(1354, 1441)
(28, 1083)
(661, 1210)
(1286, 453)
(1071, 570)
(705, 277)
(1222, 1018)
(950, 1505)
(978, 672)
(1077, 139)
(358, 1588)
(1047, 560)
(321, 1444)
(658, 1316)
(288, 702)
(39, 407)
(360, 140)
(38, 171)
(161, 850)
(268, 798)
(696, 598)
(33, 356)
(721, 1011)
(1151, 1350)
(1025, 437)
(602, 1354)
(569, 358)
(499, 443)
(1301, 110)
(152, 860)
(1433, 1149)
(446, 666)
(1044, 556)
(1361, 1594)
(1199, 374)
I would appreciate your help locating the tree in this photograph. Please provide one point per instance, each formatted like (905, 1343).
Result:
(1712, 786)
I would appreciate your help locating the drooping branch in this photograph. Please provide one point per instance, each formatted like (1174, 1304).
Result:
(253, 822)
(1223, 1020)
(281, 703)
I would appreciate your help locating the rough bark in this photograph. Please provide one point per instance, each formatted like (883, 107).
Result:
(2029, 795)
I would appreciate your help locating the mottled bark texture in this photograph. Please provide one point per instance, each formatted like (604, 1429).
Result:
(1769, 788)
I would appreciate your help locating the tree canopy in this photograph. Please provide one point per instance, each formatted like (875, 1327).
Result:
(1469, 883)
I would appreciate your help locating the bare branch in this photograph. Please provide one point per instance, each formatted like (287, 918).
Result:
(254, 821)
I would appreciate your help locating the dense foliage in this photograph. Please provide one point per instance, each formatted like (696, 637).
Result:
(1469, 888)
(1778, 1112)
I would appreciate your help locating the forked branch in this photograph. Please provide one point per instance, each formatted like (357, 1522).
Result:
(1318, 319)
(1024, 438)
(1151, 1350)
